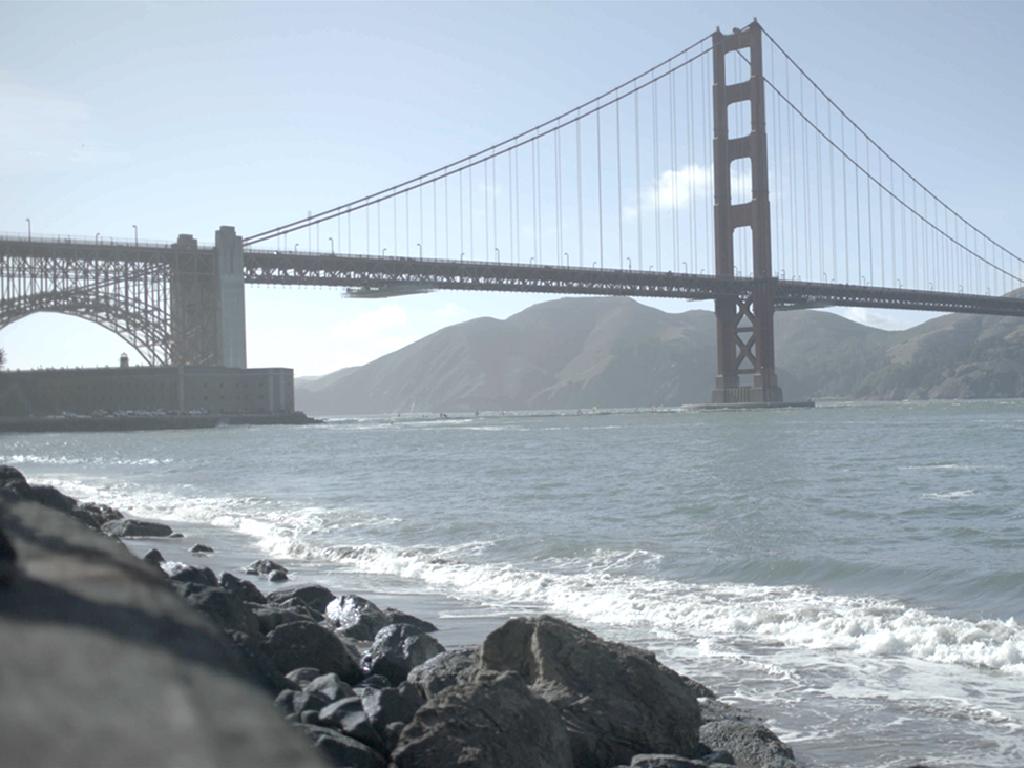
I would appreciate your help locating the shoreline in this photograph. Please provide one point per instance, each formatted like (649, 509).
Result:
(147, 422)
(394, 655)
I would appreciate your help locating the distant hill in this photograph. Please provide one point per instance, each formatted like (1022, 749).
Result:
(615, 353)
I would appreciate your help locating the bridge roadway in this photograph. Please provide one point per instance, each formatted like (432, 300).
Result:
(45, 259)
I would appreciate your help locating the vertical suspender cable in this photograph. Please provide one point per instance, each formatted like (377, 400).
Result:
(579, 183)
(600, 192)
(639, 202)
(673, 169)
(657, 175)
(618, 177)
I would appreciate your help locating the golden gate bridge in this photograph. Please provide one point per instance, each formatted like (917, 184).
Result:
(724, 172)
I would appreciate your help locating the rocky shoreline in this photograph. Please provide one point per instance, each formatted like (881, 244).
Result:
(372, 688)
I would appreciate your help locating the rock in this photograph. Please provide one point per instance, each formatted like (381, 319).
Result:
(493, 722)
(246, 590)
(374, 681)
(176, 536)
(305, 700)
(8, 557)
(397, 649)
(154, 556)
(667, 761)
(395, 616)
(95, 515)
(189, 574)
(259, 666)
(391, 734)
(136, 528)
(9, 474)
(356, 617)
(303, 675)
(444, 670)
(391, 705)
(201, 549)
(278, 574)
(312, 595)
(226, 609)
(341, 750)
(347, 715)
(615, 700)
(332, 687)
(46, 495)
(718, 757)
(284, 700)
(306, 644)
(264, 567)
(270, 616)
(751, 743)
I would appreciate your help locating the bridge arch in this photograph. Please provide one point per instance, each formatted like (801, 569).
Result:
(145, 328)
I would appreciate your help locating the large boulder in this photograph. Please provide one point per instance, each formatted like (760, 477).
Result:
(332, 687)
(349, 717)
(395, 616)
(226, 609)
(341, 750)
(445, 670)
(189, 574)
(8, 556)
(750, 742)
(493, 722)
(264, 568)
(673, 761)
(307, 644)
(9, 474)
(95, 515)
(313, 596)
(246, 590)
(46, 495)
(615, 700)
(391, 705)
(261, 669)
(397, 649)
(270, 616)
(356, 617)
(136, 528)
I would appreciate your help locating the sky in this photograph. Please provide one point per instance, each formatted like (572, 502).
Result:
(181, 117)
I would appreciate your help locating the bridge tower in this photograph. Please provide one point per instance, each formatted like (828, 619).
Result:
(745, 320)
(207, 302)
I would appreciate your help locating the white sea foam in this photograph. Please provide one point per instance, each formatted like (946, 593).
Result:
(792, 615)
(966, 494)
(602, 588)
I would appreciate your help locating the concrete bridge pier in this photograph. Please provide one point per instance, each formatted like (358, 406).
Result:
(207, 302)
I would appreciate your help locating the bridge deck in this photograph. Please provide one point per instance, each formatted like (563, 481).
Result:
(380, 275)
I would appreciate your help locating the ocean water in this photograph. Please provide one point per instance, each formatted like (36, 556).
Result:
(852, 573)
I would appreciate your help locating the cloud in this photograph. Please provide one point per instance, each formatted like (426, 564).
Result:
(677, 188)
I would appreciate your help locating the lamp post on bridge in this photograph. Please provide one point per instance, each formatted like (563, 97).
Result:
(332, 245)
(97, 238)
(135, 229)
(29, 222)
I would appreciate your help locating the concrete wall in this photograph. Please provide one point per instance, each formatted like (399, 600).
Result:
(171, 390)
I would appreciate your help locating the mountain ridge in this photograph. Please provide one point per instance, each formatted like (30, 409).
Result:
(612, 352)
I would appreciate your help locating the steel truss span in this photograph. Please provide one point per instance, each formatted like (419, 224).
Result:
(374, 272)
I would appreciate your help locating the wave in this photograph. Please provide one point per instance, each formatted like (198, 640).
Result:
(19, 459)
(603, 587)
(795, 616)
